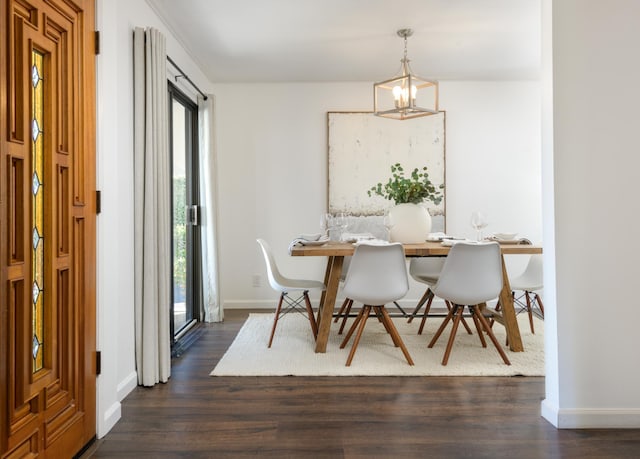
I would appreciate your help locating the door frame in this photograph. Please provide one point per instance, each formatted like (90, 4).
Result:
(34, 426)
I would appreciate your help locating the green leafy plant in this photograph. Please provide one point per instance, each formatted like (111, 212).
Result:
(413, 189)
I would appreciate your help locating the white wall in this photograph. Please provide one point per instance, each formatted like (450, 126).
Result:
(596, 166)
(272, 156)
(115, 21)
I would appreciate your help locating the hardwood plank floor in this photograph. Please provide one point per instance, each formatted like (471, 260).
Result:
(195, 415)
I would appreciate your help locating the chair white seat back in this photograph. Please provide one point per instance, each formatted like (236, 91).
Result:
(279, 282)
(426, 269)
(472, 274)
(531, 279)
(377, 274)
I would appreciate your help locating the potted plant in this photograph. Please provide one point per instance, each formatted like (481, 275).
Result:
(408, 222)
(414, 189)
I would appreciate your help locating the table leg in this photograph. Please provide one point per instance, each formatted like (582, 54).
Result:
(509, 313)
(332, 282)
(327, 272)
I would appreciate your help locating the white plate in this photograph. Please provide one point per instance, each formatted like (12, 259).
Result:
(372, 242)
(507, 241)
(311, 236)
(318, 242)
(505, 236)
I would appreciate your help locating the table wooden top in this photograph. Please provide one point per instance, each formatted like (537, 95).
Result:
(424, 249)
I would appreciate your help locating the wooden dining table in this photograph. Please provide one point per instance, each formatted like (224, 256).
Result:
(336, 251)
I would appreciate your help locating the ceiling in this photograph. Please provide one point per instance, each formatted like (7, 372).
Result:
(356, 40)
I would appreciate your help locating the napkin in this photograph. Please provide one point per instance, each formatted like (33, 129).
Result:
(372, 242)
(436, 237)
(450, 242)
(356, 237)
(303, 241)
(520, 241)
(295, 242)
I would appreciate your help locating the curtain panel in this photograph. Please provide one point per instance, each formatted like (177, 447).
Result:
(152, 208)
(208, 200)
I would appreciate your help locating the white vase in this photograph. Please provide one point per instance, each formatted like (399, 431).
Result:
(410, 223)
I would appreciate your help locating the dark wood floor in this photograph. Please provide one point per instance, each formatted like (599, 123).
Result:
(199, 416)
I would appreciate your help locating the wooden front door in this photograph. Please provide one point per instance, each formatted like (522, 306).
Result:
(48, 227)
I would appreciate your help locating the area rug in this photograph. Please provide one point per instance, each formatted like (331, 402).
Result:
(292, 352)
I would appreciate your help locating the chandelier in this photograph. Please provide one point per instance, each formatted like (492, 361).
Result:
(398, 98)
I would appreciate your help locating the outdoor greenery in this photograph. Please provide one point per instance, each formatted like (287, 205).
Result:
(179, 239)
(413, 189)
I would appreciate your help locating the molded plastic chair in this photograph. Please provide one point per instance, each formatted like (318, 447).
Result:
(528, 282)
(377, 275)
(427, 271)
(347, 304)
(471, 275)
(285, 285)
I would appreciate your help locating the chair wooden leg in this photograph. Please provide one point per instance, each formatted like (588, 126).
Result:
(356, 340)
(426, 312)
(275, 318)
(464, 322)
(352, 328)
(424, 298)
(395, 336)
(492, 337)
(341, 311)
(479, 329)
(378, 312)
(466, 326)
(385, 323)
(458, 310)
(529, 311)
(443, 325)
(540, 305)
(345, 316)
(312, 318)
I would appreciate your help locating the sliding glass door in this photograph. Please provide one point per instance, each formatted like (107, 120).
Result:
(186, 260)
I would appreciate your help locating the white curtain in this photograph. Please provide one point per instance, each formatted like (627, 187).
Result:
(208, 204)
(152, 208)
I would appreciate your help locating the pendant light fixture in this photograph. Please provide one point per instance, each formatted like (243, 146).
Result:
(406, 95)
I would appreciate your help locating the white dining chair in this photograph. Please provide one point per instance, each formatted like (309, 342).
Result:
(377, 276)
(471, 276)
(284, 286)
(529, 282)
(426, 270)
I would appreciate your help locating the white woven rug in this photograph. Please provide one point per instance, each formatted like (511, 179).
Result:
(292, 352)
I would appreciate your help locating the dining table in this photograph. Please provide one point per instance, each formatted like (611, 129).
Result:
(336, 251)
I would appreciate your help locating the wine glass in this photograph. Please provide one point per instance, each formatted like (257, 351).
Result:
(388, 223)
(325, 223)
(478, 222)
(340, 220)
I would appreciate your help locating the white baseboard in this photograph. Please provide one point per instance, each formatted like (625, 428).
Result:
(593, 418)
(549, 412)
(127, 385)
(111, 416)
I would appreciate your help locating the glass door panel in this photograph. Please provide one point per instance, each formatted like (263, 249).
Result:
(180, 313)
(185, 230)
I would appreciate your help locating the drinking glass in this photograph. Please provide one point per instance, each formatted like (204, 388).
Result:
(388, 223)
(478, 222)
(325, 223)
(340, 220)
